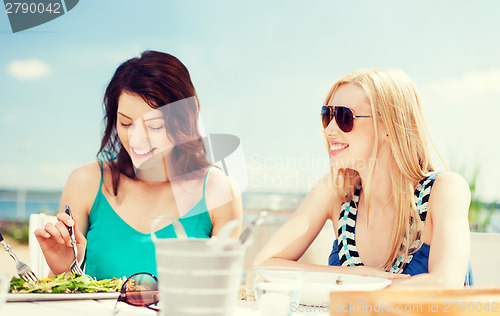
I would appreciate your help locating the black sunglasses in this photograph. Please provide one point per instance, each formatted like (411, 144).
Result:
(140, 289)
(343, 117)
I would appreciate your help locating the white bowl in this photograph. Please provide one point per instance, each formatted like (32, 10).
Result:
(318, 285)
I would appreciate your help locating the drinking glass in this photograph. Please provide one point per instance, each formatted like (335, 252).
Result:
(277, 289)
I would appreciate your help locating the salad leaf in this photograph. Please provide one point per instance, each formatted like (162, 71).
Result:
(16, 284)
(66, 283)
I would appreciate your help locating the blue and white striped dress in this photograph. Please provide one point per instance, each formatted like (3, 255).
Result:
(345, 253)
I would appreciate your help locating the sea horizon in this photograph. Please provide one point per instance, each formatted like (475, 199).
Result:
(19, 204)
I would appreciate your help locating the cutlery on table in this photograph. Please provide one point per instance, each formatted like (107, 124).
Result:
(252, 227)
(75, 267)
(23, 269)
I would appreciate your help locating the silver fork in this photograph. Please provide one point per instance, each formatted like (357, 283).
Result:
(23, 269)
(75, 267)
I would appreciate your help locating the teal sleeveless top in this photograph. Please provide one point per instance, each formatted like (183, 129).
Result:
(115, 249)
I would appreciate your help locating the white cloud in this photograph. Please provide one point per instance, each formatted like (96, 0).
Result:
(477, 84)
(28, 69)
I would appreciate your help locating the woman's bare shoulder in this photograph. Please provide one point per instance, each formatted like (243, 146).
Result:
(450, 177)
(84, 180)
(86, 174)
(217, 180)
(220, 188)
(449, 188)
(215, 175)
(82, 186)
(450, 184)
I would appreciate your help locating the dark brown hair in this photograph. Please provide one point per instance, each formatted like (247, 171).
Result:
(159, 79)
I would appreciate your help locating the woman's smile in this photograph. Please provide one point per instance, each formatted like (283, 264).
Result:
(337, 148)
(142, 153)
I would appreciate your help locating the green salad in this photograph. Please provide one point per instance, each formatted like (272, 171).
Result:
(65, 283)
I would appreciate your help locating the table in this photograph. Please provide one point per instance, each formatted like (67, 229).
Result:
(432, 302)
(105, 308)
(418, 301)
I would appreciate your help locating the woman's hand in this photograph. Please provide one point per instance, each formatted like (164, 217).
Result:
(55, 242)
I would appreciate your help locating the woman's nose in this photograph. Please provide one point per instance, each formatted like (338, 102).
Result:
(137, 135)
(332, 128)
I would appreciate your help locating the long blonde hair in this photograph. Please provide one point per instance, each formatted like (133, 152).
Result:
(394, 103)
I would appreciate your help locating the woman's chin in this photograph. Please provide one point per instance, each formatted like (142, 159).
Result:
(147, 163)
(336, 164)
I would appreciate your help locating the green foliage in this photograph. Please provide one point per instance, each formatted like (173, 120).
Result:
(16, 284)
(17, 230)
(479, 212)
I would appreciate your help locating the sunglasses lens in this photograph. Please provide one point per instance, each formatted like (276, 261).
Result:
(344, 118)
(326, 116)
(141, 290)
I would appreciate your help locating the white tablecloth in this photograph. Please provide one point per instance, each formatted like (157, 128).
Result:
(105, 308)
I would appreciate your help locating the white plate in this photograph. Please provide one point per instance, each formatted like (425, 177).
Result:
(30, 297)
(318, 285)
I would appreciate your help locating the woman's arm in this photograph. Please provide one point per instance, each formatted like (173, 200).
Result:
(450, 244)
(291, 241)
(54, 239)
(223, 198)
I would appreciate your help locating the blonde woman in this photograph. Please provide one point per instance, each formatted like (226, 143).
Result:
(394, 215)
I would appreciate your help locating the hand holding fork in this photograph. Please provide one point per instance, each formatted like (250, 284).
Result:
(54, 239)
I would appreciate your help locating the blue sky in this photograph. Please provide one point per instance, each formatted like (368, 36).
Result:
(261, 70)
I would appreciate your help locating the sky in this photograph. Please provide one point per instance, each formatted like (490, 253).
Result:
(261, 70)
